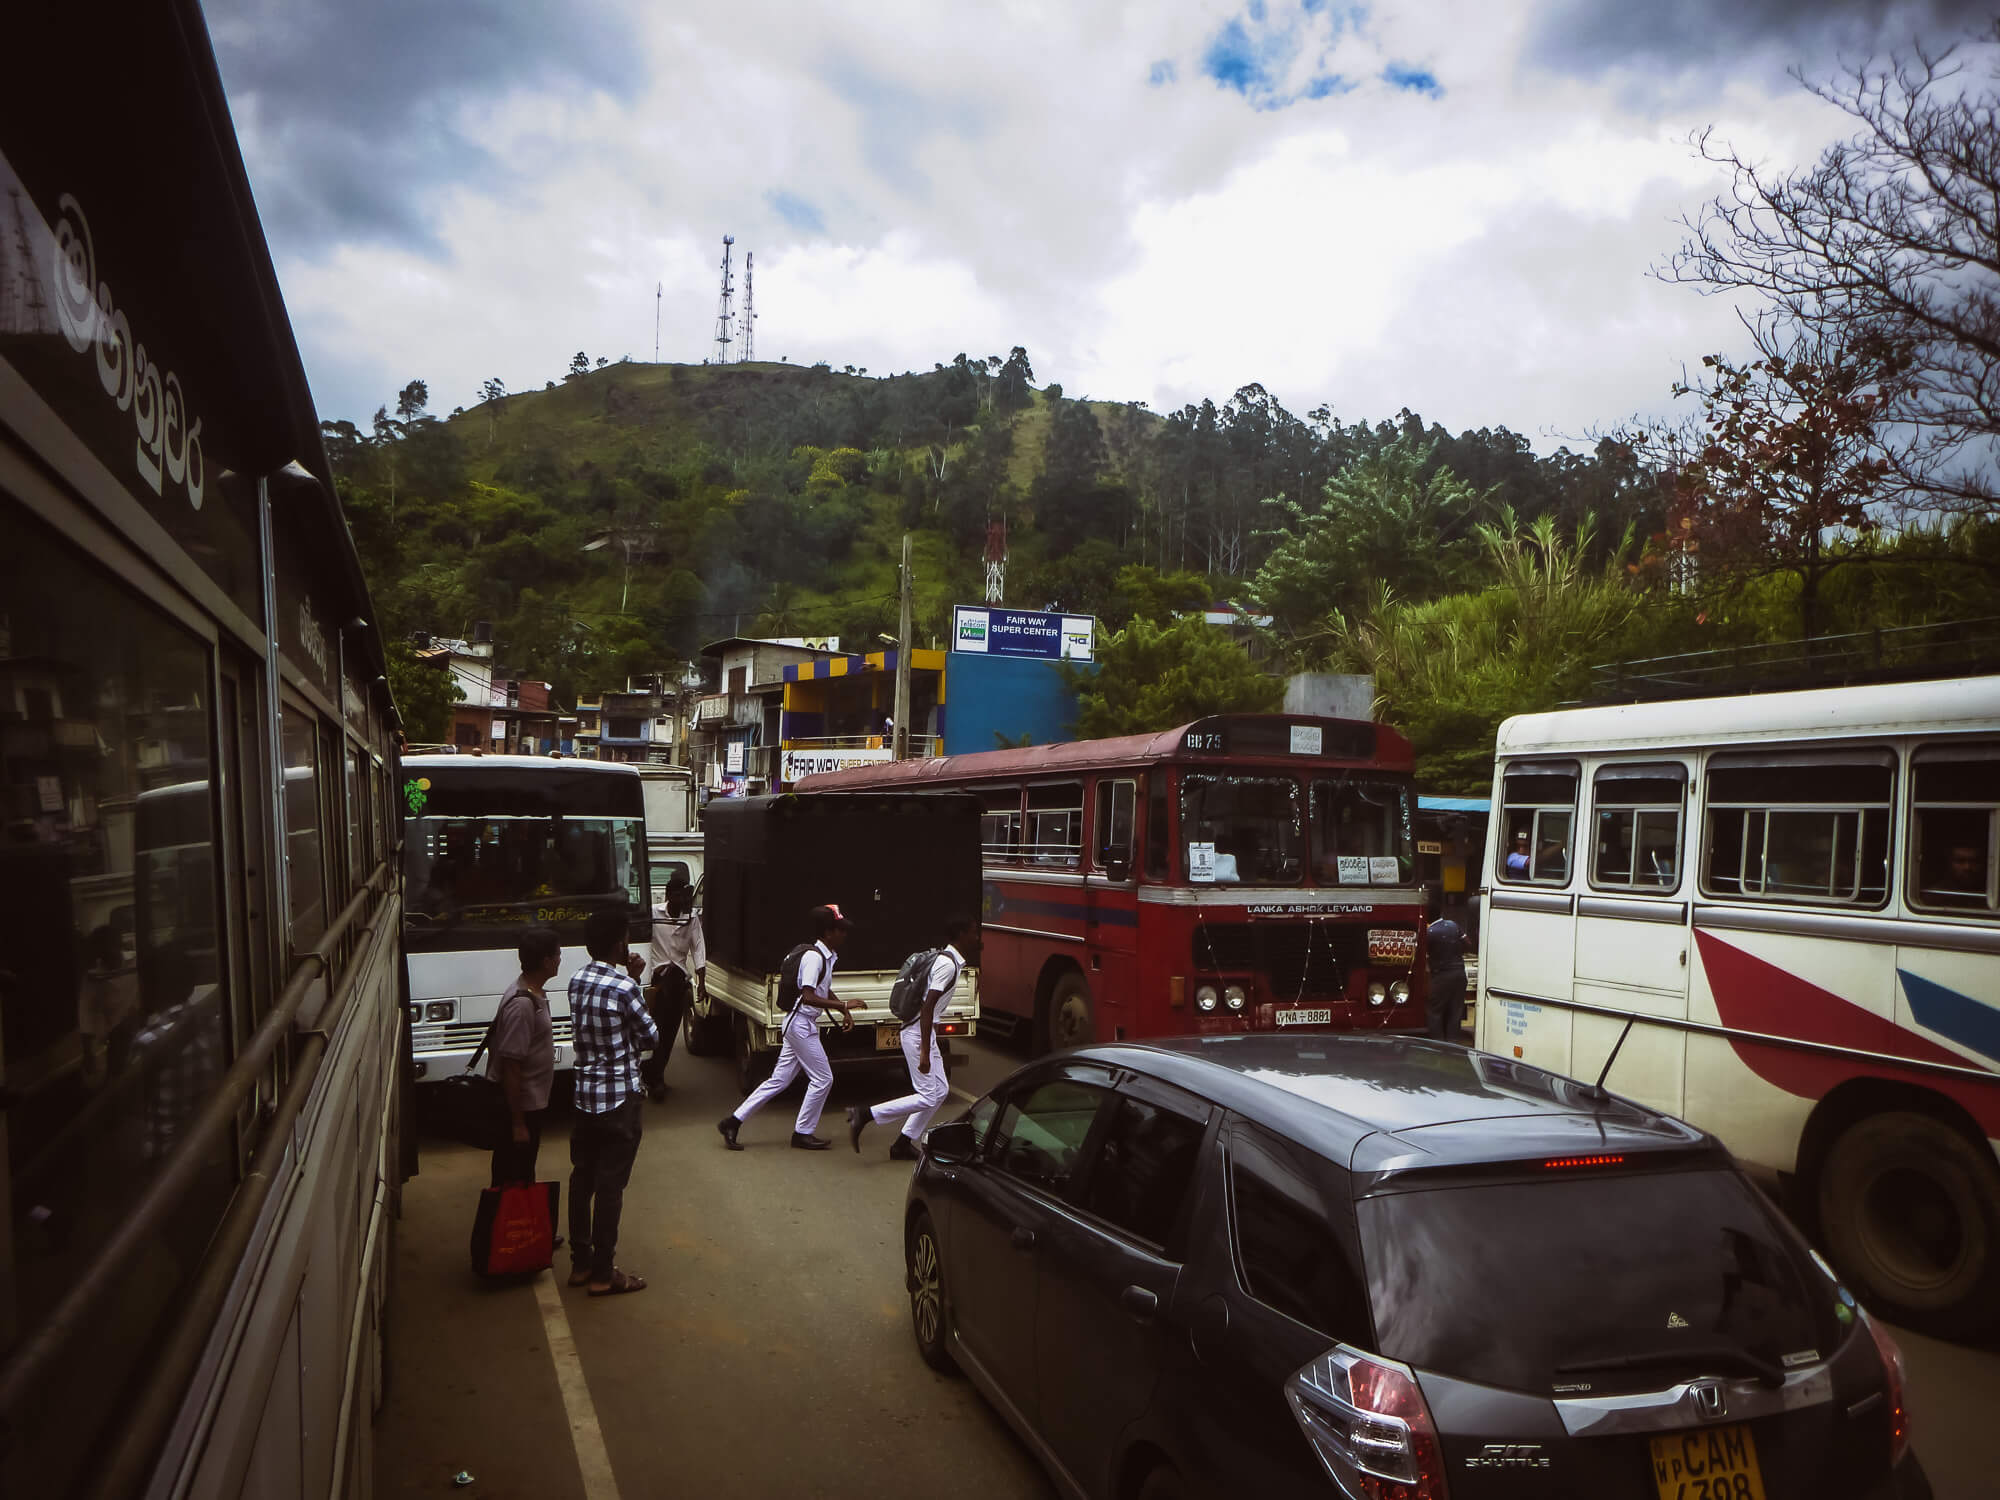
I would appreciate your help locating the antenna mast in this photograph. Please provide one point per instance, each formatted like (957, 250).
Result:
(658, 288)
(749, 311)
(722, 338)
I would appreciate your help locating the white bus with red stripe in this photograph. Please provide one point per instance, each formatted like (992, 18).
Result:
(1794, 900)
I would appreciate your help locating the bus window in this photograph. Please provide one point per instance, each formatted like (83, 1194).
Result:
(1113, 845)
(1247, 830)
(1800, 826)
(304, 863)
(1538, 810)
(1956, 804)
(1156, 826)
(1638, 827)
(1055, 824)
(1361, 831)
(1000, 823)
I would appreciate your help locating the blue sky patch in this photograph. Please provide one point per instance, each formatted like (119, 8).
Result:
(1276, 53)
(1164, 72)
(1414, 79)
(796, 211)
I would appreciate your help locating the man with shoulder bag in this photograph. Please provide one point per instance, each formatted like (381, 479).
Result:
(933, 989)
(523, 1060)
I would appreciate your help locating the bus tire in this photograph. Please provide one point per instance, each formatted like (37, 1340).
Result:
(1910, 1209)
(1071, 1017)
(752, 1067)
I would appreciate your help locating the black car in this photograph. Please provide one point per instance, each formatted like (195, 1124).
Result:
(1390, 1269)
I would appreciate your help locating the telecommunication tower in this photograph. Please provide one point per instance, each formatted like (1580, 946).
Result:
(722, 334)
(996, 559)
(749, 326)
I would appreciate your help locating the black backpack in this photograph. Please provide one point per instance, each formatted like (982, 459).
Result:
(913, 985)
(788, 977)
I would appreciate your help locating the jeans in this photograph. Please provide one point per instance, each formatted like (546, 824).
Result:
(514, 1161)
(601, 1150)
(667, 999)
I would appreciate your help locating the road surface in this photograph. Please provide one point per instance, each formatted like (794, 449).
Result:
(771, 1354)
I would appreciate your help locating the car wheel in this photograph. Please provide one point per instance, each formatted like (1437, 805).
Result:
(1072, 1018)
(1164, 1483)
(1911, 1215)
(924, 1258)
(752, 1067)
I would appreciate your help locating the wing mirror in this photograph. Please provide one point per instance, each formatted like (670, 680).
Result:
(951, 1145)
(1118, 866)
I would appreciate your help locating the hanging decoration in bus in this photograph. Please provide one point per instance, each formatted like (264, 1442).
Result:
(1014, 632)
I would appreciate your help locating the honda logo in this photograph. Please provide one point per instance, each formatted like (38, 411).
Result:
(1709, 1402)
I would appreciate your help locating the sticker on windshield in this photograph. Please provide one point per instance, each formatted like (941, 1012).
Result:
(1307, 739)
(1201, 863)
(1352, 868)
(1383, 869)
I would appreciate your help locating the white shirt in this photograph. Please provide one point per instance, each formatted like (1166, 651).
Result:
(945, 969)
(816, 970)
(678, 941)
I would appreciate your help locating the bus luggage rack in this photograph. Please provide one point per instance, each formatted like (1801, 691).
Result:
(1954, 648)
(1294, 959)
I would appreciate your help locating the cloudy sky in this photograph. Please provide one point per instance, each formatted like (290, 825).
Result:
(1450, 205)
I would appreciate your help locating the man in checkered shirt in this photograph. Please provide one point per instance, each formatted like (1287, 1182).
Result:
(612, 1027)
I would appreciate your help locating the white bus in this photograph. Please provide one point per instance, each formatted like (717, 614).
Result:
(1797, 896)
(494, 844)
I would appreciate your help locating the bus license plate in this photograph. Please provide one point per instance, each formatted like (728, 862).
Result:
(888, 1038)
(1720, 1462)
(1305, 1018)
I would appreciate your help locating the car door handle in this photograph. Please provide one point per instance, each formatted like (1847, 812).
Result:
(1140, 1302)
(1023, 1239)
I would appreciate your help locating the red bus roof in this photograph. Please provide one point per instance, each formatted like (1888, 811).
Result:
(1230, 737)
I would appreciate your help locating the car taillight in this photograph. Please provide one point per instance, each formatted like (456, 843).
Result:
(1892, 1373)
(1367, 1421)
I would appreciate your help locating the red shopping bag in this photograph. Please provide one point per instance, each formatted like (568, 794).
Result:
(515, 1229)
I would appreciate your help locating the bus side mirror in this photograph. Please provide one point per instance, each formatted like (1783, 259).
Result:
(1117, 866)
(952, 1144)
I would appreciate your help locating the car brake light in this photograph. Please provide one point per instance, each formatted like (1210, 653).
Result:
(1892, 1371)
(1581, 1161)
(1367, 1420)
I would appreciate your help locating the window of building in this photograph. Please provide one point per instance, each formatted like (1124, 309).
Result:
(466, 736)
(621, 729)
(1538, 816)
(1112, 848)
(305, 858)
(1955, 829)
(1143, 1169)
(1286, 1250)
(1055, 824)
(1808, 826)
(1042, 1130)
(1638, 843)
(1000, 822)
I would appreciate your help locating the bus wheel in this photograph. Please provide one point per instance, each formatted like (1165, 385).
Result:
(1072, 1019)
(1911, 1213)
(752, 1067)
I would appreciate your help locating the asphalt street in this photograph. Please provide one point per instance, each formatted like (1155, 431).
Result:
(771, 1352)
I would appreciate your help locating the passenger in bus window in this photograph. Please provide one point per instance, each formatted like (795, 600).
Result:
(1964, 882)
(1517, 857)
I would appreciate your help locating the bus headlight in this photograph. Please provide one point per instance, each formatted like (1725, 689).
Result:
(1233, 997)
(1377, 993)
(1400, 992)
(1205, 997)
(440, 1010)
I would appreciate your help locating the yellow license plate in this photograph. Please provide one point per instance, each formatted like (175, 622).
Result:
(1711, 1463)
(888, 1038)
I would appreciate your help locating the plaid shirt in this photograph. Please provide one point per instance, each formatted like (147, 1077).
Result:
(612, 1029)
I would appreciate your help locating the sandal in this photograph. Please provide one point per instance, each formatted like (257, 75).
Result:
(621, 1283)
(580, 1276)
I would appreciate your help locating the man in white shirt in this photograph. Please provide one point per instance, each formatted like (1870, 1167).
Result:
(680, 966)
(802, 1048)
(921, 1052)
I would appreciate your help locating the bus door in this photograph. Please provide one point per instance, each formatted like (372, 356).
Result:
(1632, 933)
(1526, 967)
(1111, 905)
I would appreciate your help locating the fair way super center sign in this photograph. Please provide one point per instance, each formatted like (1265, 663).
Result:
(1013, 632)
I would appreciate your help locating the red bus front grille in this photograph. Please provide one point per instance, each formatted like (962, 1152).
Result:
(1290, 958)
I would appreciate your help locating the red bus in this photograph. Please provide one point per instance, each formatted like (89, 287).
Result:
(1241, 873)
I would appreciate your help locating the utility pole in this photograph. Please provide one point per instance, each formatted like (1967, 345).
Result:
(659, 287)
(900, 740)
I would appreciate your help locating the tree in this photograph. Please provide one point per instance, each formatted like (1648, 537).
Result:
(412, 399)
(1010, 385)
(1891, 238)
(579, 366)
(1145, 593)
(492, 393)
(424, 695)
(1779, 473)
(1152, 677)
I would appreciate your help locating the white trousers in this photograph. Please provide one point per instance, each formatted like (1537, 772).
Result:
(802, 1049)
(931, 1088)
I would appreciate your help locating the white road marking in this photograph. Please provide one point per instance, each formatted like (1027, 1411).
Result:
(593, 1462)
(961, 1095)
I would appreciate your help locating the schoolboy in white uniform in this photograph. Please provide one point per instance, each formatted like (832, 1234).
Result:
(802, 1048)
(922, 1053)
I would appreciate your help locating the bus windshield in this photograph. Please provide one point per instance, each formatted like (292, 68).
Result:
(1361, 831)
(1242, 830)
(481, 860)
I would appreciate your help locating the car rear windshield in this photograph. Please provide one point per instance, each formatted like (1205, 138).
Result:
(1587, 1283)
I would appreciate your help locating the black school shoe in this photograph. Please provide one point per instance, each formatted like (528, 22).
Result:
(810, 1143)
(729, 1125)
(904, 1151)
(858, 1120)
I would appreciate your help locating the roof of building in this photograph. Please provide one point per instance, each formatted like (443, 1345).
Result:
(716, 648)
